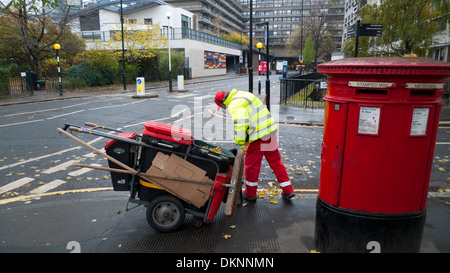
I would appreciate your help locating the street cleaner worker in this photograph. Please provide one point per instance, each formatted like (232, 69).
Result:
(255, 132)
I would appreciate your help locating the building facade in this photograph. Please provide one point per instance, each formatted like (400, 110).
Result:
(205, 54)
(214, 17)
(284, 16)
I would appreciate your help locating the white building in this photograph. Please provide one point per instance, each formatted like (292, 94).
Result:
(351, 14)
(207, 55)
(441, 43)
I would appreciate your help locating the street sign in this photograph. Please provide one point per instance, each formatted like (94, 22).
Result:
(365, 30)
(351, 31)
(370, 30)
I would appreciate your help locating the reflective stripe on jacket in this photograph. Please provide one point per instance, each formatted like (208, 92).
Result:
(252, 120)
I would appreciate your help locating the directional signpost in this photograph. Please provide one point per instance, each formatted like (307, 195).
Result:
(370, 30)
(359, 29)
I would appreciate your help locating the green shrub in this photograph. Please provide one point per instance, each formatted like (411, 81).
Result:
(4, 81)
(85, 75)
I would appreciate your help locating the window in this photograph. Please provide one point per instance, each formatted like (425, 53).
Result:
(185, 21)
(148, 21)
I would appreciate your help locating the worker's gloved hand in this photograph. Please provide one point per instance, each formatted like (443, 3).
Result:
(245, 147)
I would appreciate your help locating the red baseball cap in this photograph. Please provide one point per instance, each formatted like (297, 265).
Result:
(219, 98)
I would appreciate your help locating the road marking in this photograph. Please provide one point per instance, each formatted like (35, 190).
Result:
(83, 170)
(28, 197)
(66, 114)
(16, 184)
(143, 122)
(92, 154)
(118, 105)
(206, 96)
(59, 167)
(19, 123)
(38, 158)
(442, 143)
(49, 155)
(184, 96)
(49, 186)
(46, 110)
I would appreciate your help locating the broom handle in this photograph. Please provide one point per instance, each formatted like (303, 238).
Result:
(96, 150)
(143, 175)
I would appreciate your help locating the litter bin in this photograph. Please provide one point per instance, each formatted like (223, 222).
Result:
(381, 120)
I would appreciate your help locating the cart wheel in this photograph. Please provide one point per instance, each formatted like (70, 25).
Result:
(198, 222)
(165, 213)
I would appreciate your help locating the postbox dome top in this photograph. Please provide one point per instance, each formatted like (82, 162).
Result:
(386, 66)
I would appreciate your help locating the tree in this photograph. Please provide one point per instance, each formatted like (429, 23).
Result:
(34, 29)
(309, 54)
(316, 28)
(139, 41)
(236, 37)
(32, 4)
(408, 26)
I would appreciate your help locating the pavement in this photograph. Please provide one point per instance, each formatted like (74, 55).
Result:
(99, 222)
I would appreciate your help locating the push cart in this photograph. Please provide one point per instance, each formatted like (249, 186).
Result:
(169, 172)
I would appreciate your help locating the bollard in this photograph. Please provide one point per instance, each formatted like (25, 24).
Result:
(140, 86)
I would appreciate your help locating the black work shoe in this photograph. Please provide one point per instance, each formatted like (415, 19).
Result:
(287, 196)
(249, 199)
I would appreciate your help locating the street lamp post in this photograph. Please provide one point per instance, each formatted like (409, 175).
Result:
(266, 38)
(259, 46)
(301, 42)
(170, 61)
(250, 54)
(57, 47)
(124, 74)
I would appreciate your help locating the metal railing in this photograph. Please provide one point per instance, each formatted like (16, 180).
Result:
(13, 84)
(176, 34)
(303, 91)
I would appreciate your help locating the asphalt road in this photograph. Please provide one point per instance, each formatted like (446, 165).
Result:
(35, 159)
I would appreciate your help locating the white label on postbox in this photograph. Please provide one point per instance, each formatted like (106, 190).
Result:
(419, 121)
(371, 84)
(369, 120)
(424, 86)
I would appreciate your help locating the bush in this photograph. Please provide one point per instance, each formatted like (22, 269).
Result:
(156, 68)
(85, 75)
(177, 58)
(4, 81)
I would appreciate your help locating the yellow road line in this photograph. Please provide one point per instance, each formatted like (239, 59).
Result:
(32, 196)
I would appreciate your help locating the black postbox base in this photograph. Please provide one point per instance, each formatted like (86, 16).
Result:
(340, 230)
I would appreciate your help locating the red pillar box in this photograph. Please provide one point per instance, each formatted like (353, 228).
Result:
(381, 120)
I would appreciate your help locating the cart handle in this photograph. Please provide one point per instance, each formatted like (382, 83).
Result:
(75, 128)
(95, 126)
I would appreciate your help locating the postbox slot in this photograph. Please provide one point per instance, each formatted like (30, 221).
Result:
(371, 93)
(422, 93)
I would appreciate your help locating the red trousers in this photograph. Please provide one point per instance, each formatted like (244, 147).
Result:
(255, 152)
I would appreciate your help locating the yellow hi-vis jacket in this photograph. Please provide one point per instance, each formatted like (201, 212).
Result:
(252, 120)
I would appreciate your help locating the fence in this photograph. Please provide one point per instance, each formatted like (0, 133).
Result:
(175, 34)
(25, 83)
(304, 91)
(16, 83)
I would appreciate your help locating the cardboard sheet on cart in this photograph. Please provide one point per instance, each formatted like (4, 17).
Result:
(174, 166)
